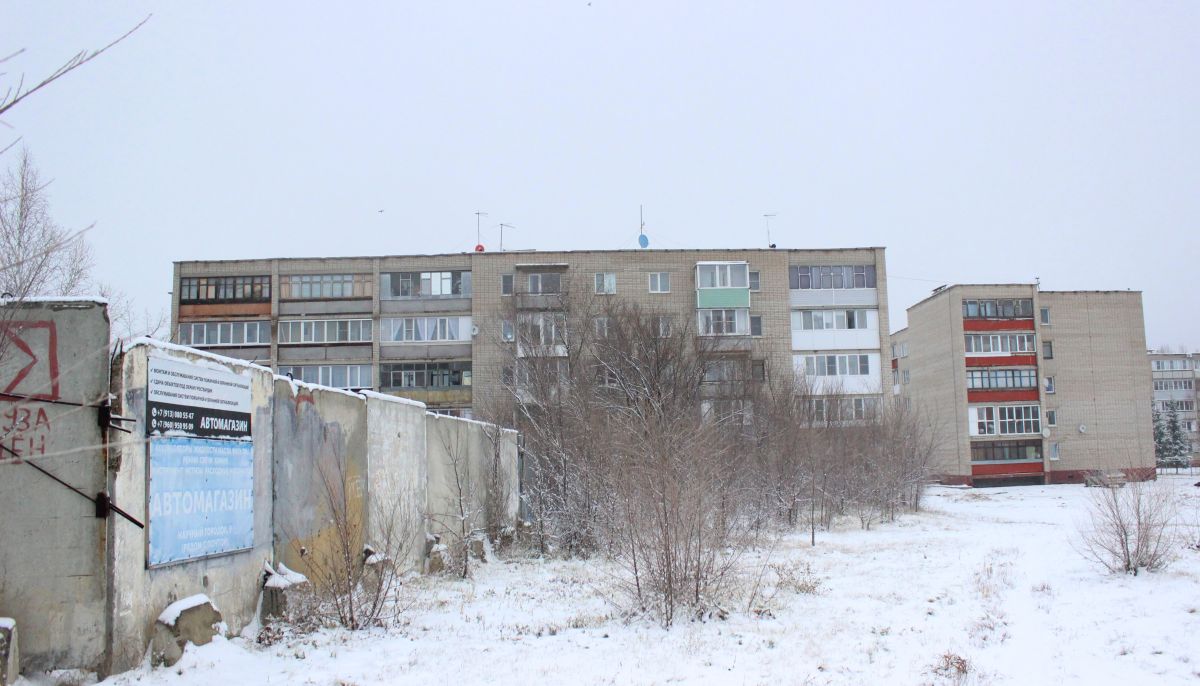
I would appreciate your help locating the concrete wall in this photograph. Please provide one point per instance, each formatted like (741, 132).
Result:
(52, 562)
(397, 476)
(81, 588)
(139, 593)
(320, 468)
(464, 458)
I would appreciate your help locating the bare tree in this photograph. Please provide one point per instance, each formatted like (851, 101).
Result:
(37, 256)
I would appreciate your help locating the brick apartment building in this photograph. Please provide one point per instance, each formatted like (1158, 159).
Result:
(1028, 386)
(433, 327)
(1175, 376)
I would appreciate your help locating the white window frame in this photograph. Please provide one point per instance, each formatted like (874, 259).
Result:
(606, 283)
(724, 274)
(659, 282)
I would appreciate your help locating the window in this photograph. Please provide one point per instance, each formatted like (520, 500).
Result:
(754, 282)
(855, 276)
(1172, 365)
(664, 327)
(1047, 350)
(895, 377)
(506, 330)
(545, 284)
(600, 324)
(756, 325)
(1045, 312)
(985, 421)
(724, 322)
(425, 375)
(906, 376)
(334, 375)
(225, 333)
(606, 283)
(718, 371)
(660, 282)
(1019, 419)
(422, 285)
(1177, 405)
(722, 275)
(324, 331)
(1005, 420)
(837, 365)
(424, 329)
(992, 344)
(844, 409)
(1051, 417)
(543, 328)
(1055, 451)
(1173, 384)
(758, 370)
(1008, 308)
(1002, 451)
(1049, 384)
(318, 286)
(225, 289)
(506, 284)
(904, 349)
(989, 379)
(820, 320)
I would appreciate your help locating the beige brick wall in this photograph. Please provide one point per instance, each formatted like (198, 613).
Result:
(1102, 379)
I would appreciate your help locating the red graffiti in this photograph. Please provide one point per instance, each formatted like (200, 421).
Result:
(29, 353)
(23, 431)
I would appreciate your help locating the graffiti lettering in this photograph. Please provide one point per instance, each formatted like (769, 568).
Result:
(23, 431)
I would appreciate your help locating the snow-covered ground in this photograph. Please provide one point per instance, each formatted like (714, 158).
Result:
(991, 576)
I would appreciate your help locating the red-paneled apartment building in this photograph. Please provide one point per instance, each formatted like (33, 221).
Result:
(1028, 386)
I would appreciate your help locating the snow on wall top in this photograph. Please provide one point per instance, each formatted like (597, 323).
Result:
(373, 395)
(154, 343)
(97, 299)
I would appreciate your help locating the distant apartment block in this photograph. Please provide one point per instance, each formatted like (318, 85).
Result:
(434, 327)
(1028, 386)
(1175, 376)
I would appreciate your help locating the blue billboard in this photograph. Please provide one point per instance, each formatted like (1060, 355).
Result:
(201, 498)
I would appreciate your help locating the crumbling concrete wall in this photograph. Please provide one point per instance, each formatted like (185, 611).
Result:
(139, 592)
(320, 472)
(52, 566)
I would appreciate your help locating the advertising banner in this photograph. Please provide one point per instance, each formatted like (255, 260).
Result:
(201, 498)
(188, 399)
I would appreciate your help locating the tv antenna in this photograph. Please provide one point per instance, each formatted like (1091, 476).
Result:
(478, 236)
(504, 226)
(643, 240)
(767, 217)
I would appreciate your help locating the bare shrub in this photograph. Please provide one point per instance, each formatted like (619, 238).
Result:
(354, 568)
(1131, 528)
(952, 667)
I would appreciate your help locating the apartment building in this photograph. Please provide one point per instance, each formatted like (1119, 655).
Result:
(435, 328)
(1175, 376)
(1028, 386)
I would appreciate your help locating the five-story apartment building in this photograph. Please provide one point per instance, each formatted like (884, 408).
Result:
(435, 327)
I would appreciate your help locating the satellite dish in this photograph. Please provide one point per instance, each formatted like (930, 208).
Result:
(1045, 433)
(1083, 428)
(479, 247)
(643, 240)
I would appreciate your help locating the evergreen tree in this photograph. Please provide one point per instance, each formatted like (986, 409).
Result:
(1162, 448)
(1177, 440)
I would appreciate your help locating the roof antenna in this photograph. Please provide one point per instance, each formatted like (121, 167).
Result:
(504, 226)
(767, 217)
(643, 240)
(478, 236)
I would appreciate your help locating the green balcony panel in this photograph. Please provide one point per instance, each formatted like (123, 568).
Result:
(714, 298)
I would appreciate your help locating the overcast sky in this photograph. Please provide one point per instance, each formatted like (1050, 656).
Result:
(977, 142)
